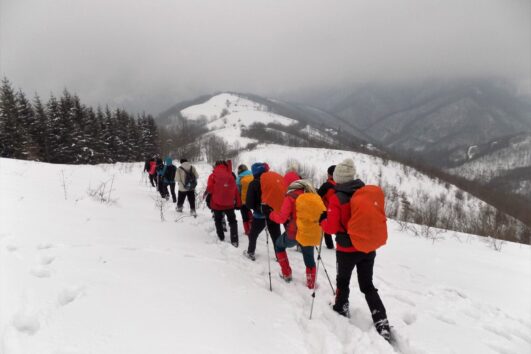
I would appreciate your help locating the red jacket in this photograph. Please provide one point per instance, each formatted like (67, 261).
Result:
(288, 213)
(152, 167)
(224, 196)
(337, 220)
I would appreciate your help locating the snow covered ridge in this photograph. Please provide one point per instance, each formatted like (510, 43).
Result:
(410, 195)
(81, 276)
(227, 115)
(219, 106)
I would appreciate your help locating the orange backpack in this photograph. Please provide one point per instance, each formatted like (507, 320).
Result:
(273, 189)
(309, 207)
(367, 226)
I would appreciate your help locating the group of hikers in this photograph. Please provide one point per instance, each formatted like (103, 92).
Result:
(343, 206)
(164, 175)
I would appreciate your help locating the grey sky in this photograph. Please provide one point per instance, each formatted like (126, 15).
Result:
(150, 54)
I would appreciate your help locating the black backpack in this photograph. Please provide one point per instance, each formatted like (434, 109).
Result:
(190, 182)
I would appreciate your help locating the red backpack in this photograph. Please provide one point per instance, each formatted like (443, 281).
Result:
(367, 226)
(224, 189)
(273, 189)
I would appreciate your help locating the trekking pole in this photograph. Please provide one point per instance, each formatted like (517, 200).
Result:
(324, 268)
(268, 256)
(316, 273)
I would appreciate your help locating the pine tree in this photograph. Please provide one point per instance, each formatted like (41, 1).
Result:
(26, 127)
(10, 140)
(40, 130)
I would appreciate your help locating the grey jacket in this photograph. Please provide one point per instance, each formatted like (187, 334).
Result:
(180, 177)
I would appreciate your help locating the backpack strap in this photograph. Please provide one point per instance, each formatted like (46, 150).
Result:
(343, 199)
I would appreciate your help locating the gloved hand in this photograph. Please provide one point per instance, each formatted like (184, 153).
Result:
(323, 216)
(266, 210)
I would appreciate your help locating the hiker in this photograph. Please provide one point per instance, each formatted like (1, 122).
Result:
(168, 178)
(352, 210)
(300, 212)
(187, 178)
(242, 181)
(224, 199)
(160, 184)
(265, 193)
(149, 167)
(326, 191)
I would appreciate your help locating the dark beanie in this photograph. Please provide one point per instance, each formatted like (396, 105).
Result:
(331, 170)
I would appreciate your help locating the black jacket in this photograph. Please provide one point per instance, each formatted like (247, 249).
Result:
(344, 191)
(324, 189)
(253, 200)
(169, 174)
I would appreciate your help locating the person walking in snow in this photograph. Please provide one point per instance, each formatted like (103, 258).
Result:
(260, 209)
(168, 178)
(300, 213)
(152, 172)
(160, 183)
(224, 199)
(242, 181)
(349, 254)
(326, 191)
(187, 179)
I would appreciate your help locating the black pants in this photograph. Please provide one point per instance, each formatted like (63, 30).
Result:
(328, 241)
(153, 180)
(183, 195)
(172, 190)
(233, 224)
(161, 187)
(365, 263)
(256, 227)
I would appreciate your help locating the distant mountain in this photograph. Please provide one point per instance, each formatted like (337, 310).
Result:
(463, 127)
(246, 118)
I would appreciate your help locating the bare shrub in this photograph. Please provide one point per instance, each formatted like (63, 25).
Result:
(101, 193)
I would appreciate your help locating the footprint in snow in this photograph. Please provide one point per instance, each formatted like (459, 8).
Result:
(11, 248)
(46, 260)
(44, 246)
(409, 318)
(40, 272)
(26, 323)
(68, 295)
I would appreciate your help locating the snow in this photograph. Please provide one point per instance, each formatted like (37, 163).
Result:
(215, 106)
(118, 280)
(230, 126)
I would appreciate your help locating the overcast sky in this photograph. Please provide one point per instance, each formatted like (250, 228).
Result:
(150, 54)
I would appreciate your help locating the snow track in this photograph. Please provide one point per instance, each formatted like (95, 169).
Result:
(79, 276)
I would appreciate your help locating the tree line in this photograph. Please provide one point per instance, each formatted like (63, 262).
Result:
(64, 130)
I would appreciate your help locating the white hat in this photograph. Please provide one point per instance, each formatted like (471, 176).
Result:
(344, 171)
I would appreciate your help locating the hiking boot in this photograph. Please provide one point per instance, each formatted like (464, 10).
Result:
(283, 261)
(179, 209)
(310, 277)
(193, 213)
(249, 255)
(343, 310)
(382, 327)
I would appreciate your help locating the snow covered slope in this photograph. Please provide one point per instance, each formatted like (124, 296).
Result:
(81, 276)
(410, 194)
